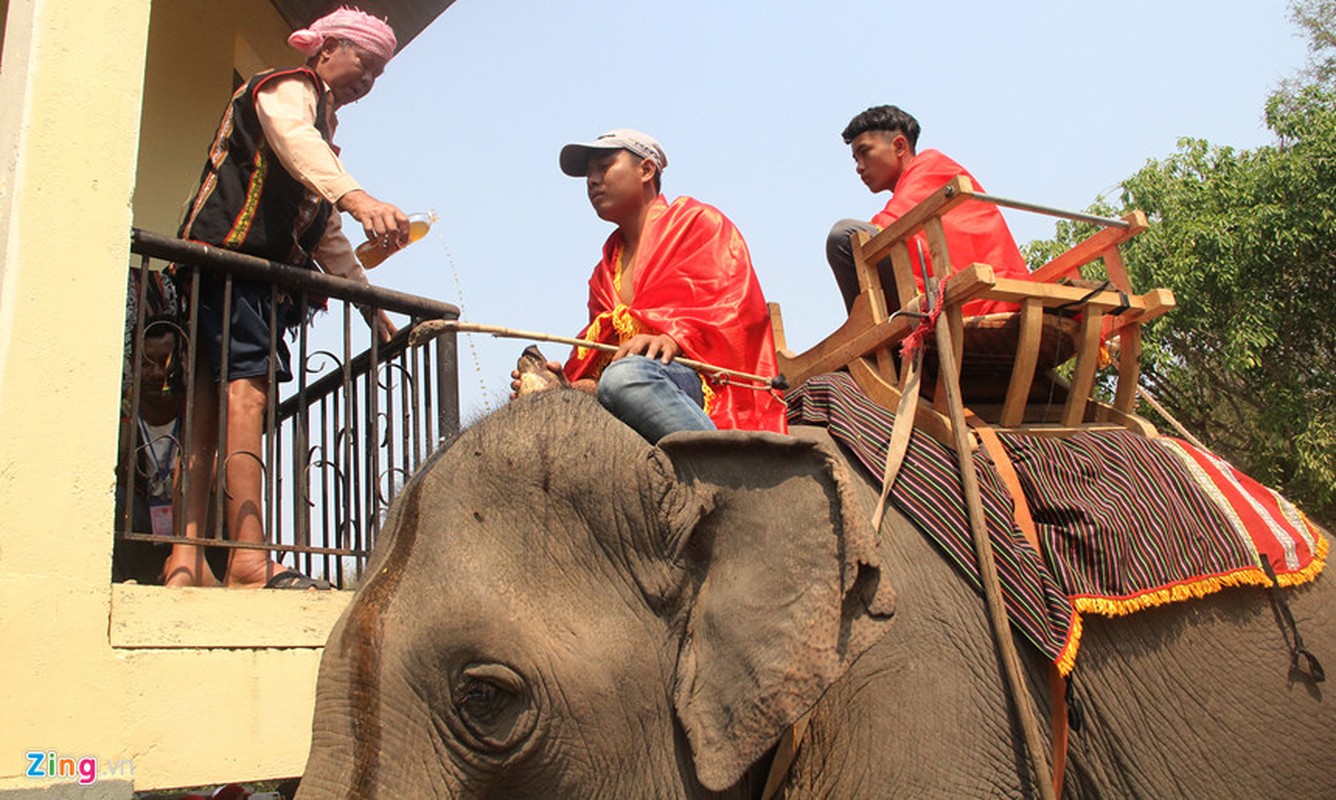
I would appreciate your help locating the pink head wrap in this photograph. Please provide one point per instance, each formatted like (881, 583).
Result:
(367, 32)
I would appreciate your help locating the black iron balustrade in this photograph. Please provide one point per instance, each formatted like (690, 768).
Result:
(339, 440)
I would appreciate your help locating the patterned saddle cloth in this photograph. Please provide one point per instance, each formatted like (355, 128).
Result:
(1125, 522)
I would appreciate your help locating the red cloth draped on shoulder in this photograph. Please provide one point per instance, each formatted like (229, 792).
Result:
(693, 281)
(975, 231)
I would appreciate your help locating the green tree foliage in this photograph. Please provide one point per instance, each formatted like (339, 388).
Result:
(1246, 239)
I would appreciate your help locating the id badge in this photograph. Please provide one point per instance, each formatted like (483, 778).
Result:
(160, 513)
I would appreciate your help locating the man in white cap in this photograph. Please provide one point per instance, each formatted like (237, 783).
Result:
(272, 187)
(675, 279)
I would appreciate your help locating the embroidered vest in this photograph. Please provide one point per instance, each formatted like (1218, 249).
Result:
(247, 201)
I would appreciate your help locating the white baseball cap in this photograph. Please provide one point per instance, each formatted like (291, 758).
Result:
(575, 157)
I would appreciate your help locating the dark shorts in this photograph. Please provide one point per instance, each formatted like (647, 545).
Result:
(248, 353)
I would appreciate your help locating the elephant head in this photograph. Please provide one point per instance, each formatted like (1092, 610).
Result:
(558, 609)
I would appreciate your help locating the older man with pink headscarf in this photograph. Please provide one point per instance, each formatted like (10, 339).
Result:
(272, 187)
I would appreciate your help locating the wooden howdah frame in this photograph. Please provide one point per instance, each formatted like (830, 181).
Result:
(1093, 316)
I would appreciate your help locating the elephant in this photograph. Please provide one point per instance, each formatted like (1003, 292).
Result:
(556, 608)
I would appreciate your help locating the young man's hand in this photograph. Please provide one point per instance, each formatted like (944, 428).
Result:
(381, 221)
(649, 345)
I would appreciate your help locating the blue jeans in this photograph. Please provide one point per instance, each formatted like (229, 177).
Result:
(654, 398)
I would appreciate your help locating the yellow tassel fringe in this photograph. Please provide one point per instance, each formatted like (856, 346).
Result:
(626, 325)
(1067, 659)
(622, 322)
(1178, 592)
(707, 391)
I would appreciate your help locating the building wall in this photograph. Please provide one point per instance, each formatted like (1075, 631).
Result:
(4, 13)
(186, 687)
(188, 81)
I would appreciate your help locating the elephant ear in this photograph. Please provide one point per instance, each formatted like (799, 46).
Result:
(790, 591)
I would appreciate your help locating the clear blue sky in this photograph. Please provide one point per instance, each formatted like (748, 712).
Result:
(1053, 102)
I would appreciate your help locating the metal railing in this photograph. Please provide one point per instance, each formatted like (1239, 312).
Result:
(339, 440)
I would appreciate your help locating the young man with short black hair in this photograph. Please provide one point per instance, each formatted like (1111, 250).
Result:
(883, 142)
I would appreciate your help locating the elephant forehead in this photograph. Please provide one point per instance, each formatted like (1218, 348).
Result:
(519, 537)
(517, 471)
(556, 431)
(547, 488)
(532, 590)
(543, 495)
(535, 540)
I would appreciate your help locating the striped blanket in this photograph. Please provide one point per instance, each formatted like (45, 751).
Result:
(1125, 522)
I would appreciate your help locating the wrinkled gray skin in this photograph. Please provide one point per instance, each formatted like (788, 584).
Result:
(558, 609)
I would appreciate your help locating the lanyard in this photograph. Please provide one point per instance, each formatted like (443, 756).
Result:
(161, 467)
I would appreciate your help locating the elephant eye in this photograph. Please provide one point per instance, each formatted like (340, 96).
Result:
(481, 699)
(493, 704)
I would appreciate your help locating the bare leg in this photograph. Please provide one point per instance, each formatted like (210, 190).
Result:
(186, 565)
(244, 483)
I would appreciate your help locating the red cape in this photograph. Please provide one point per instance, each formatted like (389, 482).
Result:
(693, 281)
(975, 230)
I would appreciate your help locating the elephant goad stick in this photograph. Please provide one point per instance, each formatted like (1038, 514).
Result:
(983, 552)
(430, 329)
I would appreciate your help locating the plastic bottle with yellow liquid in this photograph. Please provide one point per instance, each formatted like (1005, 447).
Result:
(371, 253)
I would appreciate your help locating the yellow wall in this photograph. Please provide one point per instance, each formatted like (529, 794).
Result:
(4, 12)
(192, 686)
(186, 87)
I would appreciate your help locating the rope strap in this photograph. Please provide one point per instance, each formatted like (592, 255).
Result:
(914, 341)
(1291, 630)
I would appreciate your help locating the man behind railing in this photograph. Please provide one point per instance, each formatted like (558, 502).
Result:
(145, 477)
(271, 188)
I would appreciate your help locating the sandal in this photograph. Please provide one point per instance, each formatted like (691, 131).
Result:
(292, 579)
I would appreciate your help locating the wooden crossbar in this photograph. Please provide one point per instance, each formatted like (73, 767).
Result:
(860, 335)
(1100, 244)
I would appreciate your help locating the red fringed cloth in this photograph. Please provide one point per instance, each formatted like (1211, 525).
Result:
(1125, 522)
(693, 281)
